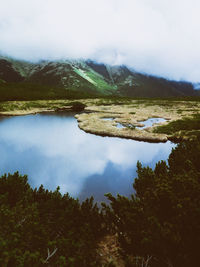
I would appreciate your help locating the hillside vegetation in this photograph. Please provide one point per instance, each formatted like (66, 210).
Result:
(64, 79)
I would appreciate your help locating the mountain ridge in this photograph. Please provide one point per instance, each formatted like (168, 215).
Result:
(85, 77)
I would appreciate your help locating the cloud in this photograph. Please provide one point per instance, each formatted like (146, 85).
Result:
(53, 151)
(157, 37)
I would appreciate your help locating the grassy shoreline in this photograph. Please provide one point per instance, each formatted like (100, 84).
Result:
(178, 113)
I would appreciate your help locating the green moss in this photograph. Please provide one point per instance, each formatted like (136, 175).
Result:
(186, 124)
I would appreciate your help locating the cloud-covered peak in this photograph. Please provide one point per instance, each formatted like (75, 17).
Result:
(157, 37)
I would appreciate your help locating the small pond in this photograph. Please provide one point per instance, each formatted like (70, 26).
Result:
(118, 124)
(146, 123)
(53, 151)
(150, 122)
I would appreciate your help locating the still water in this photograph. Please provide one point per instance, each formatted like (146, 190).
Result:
(53, 151)
(150, 122)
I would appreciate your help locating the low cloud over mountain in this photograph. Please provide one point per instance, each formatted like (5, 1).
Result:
(80, 78)
(157, 37)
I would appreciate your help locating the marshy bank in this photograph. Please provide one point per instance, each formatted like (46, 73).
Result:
(126, 112)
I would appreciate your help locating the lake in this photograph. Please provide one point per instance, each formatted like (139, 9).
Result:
(53, 151)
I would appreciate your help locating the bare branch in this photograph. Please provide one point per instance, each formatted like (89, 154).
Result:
(147, 260)
(50, 254)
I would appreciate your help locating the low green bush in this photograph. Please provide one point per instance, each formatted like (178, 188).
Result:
(159, 225)
(40, 227)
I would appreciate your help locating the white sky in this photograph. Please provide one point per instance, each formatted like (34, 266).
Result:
(160, 37)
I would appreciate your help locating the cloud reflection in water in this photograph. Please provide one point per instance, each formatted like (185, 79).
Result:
(53, 151)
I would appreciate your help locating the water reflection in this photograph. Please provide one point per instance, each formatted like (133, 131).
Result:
(150, 122)
(53, 151)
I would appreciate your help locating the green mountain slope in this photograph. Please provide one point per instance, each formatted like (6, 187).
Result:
(72, 78)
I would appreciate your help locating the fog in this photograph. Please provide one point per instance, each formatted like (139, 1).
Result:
(152, 36)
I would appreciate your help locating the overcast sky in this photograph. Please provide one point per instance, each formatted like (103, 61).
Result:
(160, 37)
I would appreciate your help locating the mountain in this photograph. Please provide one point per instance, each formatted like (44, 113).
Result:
(71, 78)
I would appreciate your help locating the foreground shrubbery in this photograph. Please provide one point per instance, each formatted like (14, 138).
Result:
(38, 223)
(158, 226)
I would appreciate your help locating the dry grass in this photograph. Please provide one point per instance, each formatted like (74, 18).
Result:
(127, 112)
(108, 251)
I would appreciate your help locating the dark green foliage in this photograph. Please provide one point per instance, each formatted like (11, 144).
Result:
(158, 226)
(78, 106)
(161, 221)
(33, 91)
(35, 223)
(186, 124)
